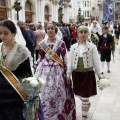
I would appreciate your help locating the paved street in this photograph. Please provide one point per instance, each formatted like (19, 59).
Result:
(106, 105)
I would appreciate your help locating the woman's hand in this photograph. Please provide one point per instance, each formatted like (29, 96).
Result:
(68, 80)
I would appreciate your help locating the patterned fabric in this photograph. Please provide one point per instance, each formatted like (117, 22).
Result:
(11, 114)
(80, 66)
(94, 40)
(56, 97)
(87, 53)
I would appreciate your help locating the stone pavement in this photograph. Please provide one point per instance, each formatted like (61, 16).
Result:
(106, 104)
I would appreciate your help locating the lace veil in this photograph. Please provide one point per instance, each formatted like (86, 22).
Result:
(19, 37)
(97, 25)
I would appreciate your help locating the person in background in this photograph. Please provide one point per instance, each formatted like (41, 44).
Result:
(119, 32)
(66, 37)
(74, 35)
(45, 25)
(113, 35)
(104, 47)
(110, 27)
(21, 25)
(31, 39)
(116, 32)
(83, 58)
(40, 35)
(26, 26)
(95, 31)
(14, 59)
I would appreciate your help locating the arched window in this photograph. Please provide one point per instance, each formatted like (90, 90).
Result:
(85, 3)
(46, 9)
(87, 13)
(47, 14)
(2, 3)
(28, 12)
(28, 6)
(3, 10)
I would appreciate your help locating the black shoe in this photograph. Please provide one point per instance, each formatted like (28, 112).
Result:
(84, 116)
(108, 71)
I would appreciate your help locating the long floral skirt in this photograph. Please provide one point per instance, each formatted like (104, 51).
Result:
(57, 98)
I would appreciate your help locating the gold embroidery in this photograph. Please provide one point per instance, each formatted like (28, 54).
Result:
(51, 53)
(12, 80)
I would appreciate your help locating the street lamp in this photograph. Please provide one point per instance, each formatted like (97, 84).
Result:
(79, 14)
(17, 6)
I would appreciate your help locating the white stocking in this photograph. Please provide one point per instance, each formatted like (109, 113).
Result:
(85, 106)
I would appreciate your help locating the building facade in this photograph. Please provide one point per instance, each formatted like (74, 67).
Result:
(89, 9)
(36, 10)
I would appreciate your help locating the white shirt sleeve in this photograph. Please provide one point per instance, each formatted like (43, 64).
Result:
(96, 61)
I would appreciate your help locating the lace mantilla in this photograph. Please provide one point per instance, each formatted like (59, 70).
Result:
(16, 56)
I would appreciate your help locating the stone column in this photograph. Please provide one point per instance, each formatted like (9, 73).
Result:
(39, 11)
(57, 7)
(56, 11)
(35, 16)
(65, 13)
(52, 10)
(42, 12)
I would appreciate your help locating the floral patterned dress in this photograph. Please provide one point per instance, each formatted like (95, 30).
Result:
(56, 97)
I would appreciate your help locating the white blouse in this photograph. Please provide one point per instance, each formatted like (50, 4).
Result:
(95, 29)
(81, 49)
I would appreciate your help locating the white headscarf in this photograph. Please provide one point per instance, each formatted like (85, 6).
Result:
(19, 37)
(98, 26)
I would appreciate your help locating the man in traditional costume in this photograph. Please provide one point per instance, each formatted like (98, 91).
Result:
(105, 46)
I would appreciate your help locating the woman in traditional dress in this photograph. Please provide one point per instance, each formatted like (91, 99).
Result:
(95, 31)
(15, 65)
(83, 57)
(57, 98)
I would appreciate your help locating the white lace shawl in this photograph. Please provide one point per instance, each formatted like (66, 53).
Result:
(15, 57)
(97, 26)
